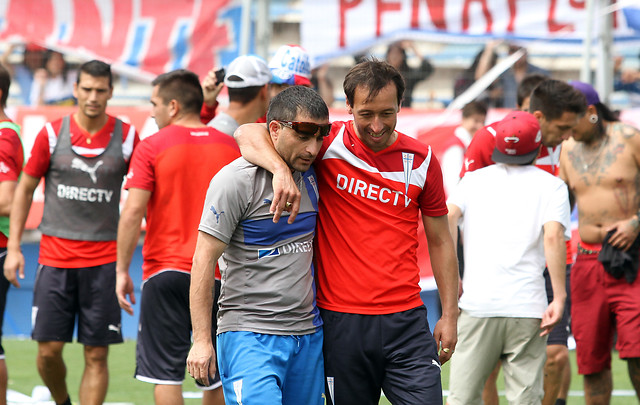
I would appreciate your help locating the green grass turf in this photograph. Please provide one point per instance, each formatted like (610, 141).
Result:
(23, 375)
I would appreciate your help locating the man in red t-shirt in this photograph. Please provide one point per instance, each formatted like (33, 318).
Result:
(11, 159)
(83, 159)
(168, 180)
(374, 184)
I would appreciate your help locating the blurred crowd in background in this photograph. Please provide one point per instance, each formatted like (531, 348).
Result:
(45, 77)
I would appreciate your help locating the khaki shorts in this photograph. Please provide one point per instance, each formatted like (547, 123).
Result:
(484, 341)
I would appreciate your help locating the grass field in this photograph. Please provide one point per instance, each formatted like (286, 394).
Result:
(123, 388)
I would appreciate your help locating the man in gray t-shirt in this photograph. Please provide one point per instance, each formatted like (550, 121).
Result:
(269, 328)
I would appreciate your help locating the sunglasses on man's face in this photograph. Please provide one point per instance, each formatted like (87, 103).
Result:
(307, 128)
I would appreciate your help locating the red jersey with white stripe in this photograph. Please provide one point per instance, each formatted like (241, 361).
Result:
(176, 165)
(478, 155)
(368, 219)
(11, 161)
(67, 253)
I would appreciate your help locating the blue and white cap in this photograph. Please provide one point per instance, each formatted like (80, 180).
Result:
(290, 65)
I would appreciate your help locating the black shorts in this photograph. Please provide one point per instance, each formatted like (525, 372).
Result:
(4, 287)
(164, 329)
(88, 293)
(366, 353)
(560, 333)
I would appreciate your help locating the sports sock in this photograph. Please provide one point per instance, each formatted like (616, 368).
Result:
(67, 402)
(560, 401)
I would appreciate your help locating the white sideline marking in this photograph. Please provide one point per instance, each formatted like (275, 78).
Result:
(17, 398)
(615, 393)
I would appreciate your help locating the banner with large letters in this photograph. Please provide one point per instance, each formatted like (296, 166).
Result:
(334, 28)
(141, 38)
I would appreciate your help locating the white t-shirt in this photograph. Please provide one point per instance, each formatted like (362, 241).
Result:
(453, 158)
(504, 209)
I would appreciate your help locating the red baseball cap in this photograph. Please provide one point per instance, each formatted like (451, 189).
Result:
(33, 47)
(518, 139)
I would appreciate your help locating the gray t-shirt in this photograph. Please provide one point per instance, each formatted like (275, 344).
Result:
(267, 286)
(224, 123)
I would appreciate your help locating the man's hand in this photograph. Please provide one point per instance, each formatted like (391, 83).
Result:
(286, 196)
(626, 231)
(201, 362)
(446, 335)
(211, 89)
(124, 287)
(552, 315)
(14, 265)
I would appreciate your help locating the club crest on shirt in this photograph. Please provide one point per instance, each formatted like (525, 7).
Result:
(407, 163)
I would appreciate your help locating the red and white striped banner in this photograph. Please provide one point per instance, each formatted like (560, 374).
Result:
(143, 38)
(337, 27)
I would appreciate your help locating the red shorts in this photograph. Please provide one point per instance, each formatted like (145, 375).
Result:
(600, 306)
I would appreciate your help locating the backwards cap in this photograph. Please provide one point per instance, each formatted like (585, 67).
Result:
(247, 71)
(518, 139)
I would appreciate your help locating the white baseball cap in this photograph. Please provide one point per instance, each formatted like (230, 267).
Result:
(247, 71)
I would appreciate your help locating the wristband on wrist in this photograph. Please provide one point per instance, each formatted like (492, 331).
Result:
(635, 220)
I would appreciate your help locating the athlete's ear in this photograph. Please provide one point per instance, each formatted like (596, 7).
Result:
(539, 115)
(349, 109)
(274, 130)
(174, 108)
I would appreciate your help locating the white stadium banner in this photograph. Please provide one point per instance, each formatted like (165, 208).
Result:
(332, 28)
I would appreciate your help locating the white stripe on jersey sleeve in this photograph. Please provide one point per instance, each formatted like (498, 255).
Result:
(127, 145)
(53, 137)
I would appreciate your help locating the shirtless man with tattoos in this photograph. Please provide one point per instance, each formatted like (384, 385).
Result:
(601, 166)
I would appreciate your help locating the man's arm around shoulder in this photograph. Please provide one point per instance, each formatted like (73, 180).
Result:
(256, 147)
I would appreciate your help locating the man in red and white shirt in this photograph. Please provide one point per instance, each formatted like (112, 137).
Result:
(168, 180)
(83, 159)
(374, 183)
(11, 160)
(451, 152)
(557, 107)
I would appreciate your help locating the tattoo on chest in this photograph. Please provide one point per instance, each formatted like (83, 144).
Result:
(592, 163)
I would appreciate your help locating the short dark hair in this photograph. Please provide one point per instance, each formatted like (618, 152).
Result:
(554, 97)
(183, 86)
(474, 107)
(96, 68)
(5, 83)
(294, 101)
(526, 86)
(243, 95)
(374, 75)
